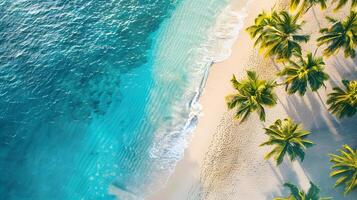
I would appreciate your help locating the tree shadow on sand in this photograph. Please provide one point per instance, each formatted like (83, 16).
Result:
(328, 133)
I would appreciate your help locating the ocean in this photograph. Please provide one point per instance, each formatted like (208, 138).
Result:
(99, 94)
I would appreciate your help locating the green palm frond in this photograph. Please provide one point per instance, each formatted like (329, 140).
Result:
(277, 34)
(305, 73)
(281, 39)
(297, 194)
(287, 138)
(260, 22)
(342, 34)
(252, 95)
(307, 4)
(342, 3)
(343, 102)
(345, 168)
(294, 4)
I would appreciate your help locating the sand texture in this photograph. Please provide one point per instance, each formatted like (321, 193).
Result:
(224, 161)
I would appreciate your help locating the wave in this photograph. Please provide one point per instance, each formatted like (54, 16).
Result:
(175, 130)
(225, 33)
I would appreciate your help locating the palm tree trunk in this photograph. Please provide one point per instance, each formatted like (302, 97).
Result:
(316, 50)
(315, 16)
(303, 10)
(275, 64)
(322, 102)
(307, 9)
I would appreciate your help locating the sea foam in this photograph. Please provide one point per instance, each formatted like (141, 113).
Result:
(184, 49)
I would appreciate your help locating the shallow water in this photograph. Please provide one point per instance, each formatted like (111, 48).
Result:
(98, 92)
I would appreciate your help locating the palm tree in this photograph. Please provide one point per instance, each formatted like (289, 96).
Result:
(307, 4)
(341, 3)
(343, 102)
(281, 38)
(277, 34)
(252, 95)
(298, 194)
(287, 137)
(342, 34)
(345, 168)
(304, 73)
(260, 23)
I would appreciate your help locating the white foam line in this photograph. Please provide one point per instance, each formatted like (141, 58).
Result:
(169, 146)
(225, 33)
(217, 48)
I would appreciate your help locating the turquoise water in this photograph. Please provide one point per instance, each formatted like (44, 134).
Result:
(98, 93)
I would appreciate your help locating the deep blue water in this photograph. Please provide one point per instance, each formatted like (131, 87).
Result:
(99, 94)
(64, 66)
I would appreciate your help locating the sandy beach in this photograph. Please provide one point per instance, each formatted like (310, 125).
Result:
(224, 160)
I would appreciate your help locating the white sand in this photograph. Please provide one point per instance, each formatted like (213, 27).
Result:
(223, 160)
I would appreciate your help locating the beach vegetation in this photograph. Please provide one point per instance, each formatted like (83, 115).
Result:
(342, 3)
(304, 73)
(343, 102)
(298, 194)
(288, 138)
(345, 168)
(263, 20)
(307, 4)
(252, 95)
(342, 34)
(278, 35)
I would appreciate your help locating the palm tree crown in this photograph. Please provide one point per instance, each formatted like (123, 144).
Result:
(343, 102)
(307, 4)
(287, 137)
(281, 39)
(345, 168)
(260, 23)
(306, 72)
(341, 3)
(342, 34)
(298, 194)
(252, 95)
(277, 34)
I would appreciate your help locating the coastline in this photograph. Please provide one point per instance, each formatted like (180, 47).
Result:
(187, 172)
(223, 160)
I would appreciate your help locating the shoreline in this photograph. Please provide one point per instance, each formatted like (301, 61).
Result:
(202, 136)
(223, 160)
